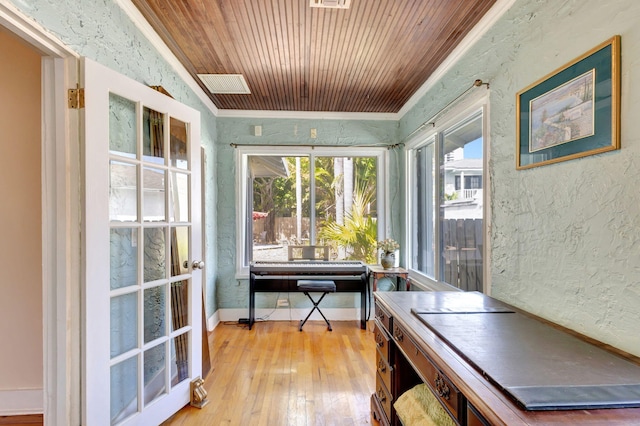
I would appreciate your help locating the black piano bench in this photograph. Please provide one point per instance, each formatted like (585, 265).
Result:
(316, 286)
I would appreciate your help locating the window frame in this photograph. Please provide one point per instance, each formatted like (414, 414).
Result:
(242, 176)
(476, 103)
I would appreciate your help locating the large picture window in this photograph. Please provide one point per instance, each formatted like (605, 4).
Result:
(445, 208)
(304, 197)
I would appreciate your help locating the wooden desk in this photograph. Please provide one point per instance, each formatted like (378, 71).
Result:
(399, 274)
(408, 353)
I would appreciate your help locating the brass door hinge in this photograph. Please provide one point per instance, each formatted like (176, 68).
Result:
(76, 98)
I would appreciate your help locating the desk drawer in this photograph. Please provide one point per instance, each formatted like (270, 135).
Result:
(474, 418)
(385, 319)
(383, 395)
(445, 391)
(377, 411)
(384, 369)
(382, 341)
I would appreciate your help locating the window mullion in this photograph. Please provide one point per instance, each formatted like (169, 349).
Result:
(438, 158)
(312, 199)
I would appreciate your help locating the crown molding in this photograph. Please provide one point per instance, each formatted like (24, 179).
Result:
(308, 115)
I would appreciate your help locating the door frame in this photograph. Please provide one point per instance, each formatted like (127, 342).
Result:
(61, 257)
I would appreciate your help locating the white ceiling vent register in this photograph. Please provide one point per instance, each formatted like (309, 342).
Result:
(228, 84)
(333, 4)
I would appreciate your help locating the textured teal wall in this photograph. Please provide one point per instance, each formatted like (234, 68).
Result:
(233, 293)
(564, 238)
(100, 30)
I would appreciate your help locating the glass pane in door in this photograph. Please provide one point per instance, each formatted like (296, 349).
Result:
(154, 313)
(153, 140)
(124, 389)
(153, 201)
(123, 187)
(124, 323)
(154, 254)
(154, 372)
(123, 257)
(179, 250)
(179, 305)
(178, 198)
(180, 358)
(122, 126)
(178, 141)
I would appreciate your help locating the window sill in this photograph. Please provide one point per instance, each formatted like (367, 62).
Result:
(426, 284)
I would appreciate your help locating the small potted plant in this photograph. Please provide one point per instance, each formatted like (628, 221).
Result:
(388, 248)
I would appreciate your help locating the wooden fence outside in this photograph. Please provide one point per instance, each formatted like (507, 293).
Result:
(284, 230)
(462, 240)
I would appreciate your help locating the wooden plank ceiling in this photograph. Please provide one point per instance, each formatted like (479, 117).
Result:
(371, 57)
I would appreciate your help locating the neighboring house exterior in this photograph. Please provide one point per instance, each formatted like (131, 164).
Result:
(563, 238)
(462, 178)
(463, 186)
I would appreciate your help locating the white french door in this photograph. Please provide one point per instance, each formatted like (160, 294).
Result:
(141, 336)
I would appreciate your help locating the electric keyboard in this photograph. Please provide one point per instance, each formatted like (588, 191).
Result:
(280, 277)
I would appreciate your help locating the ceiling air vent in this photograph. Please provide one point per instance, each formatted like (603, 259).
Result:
(331, 4)
(228, 84)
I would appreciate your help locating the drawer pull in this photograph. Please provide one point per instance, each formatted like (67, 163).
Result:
(381, 366)
(381, 395)
(379, 340)
(398, 333)
(441, 387)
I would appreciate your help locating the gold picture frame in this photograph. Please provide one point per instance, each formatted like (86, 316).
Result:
(573, 111)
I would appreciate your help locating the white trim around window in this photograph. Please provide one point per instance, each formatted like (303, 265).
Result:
(242, 154)
(475, 103)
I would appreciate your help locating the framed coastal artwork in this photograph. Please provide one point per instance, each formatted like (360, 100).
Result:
(572, 112)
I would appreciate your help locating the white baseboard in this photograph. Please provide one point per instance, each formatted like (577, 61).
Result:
(291, 314)
(21, 402)
(213, 321)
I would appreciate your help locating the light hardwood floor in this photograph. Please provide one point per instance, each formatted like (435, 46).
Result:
(277, 375)
(28, 420)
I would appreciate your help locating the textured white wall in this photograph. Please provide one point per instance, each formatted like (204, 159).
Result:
(565, 238)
